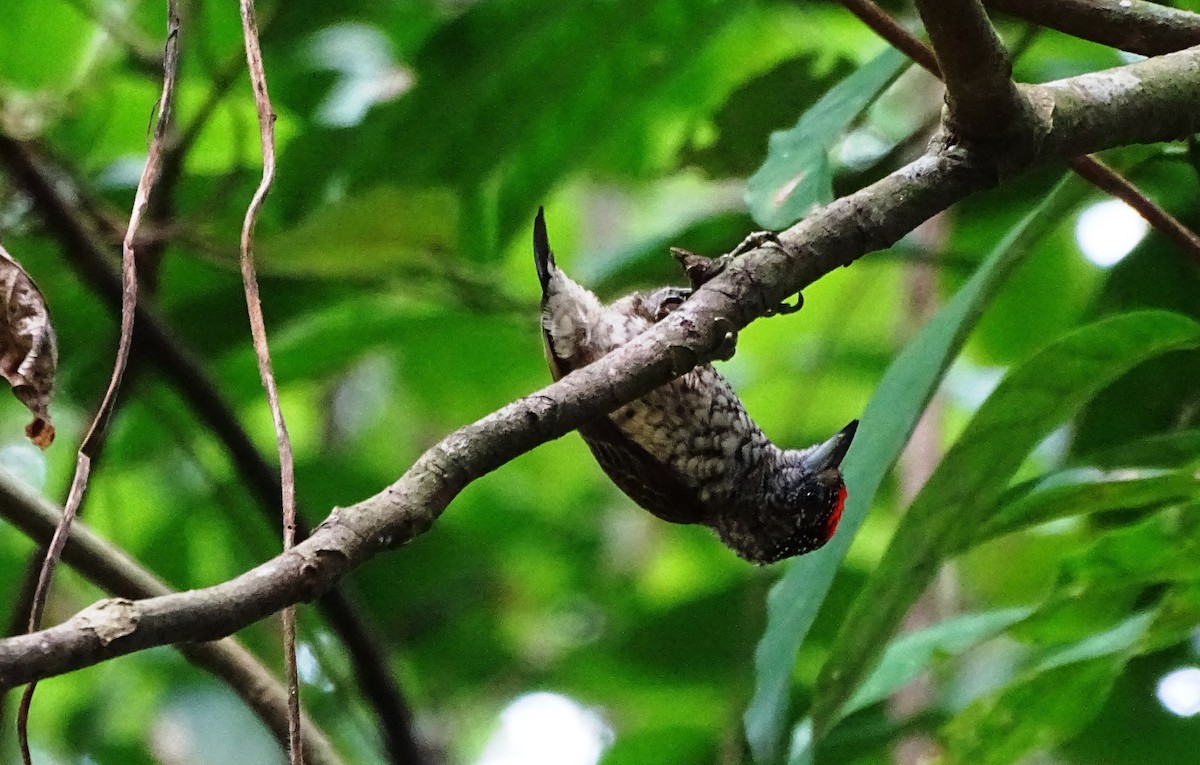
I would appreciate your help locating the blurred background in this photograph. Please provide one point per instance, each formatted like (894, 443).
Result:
(544, 618)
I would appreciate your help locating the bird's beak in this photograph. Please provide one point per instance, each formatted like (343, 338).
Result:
(829, 455)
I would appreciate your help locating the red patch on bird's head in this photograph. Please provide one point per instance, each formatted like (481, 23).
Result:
(836, 516)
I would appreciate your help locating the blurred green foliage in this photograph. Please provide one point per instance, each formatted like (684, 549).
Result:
(417, 138)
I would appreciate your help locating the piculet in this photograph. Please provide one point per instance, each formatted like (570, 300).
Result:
(688, 452)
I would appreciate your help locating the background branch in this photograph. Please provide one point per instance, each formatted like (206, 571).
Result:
(881, 23)
(109, 568)
(832, 236)
(1137, 26)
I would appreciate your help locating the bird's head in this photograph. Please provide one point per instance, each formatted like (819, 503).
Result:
(803, 503)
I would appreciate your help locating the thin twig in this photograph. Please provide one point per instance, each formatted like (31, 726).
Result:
(881, 23)
(93, 439)
(258, 328)
(161, 211)
(1091, 169)
(1108, 180)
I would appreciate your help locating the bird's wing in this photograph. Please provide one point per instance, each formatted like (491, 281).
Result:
(648, 482)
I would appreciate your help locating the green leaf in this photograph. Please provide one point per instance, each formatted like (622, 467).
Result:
(1027, 405)
(1086, 491)
(1048, 704)
(752, 112)
(1159, 395)
(904, 659)
(1076, 610)
(1103, 576)
(888, 421)
(797, 174)
(1162, 548)
(378, 234)
(42, 45)
(1168, 450)
(665, 745)
(667, 117)
(499, 363)
(1176, 616)
(909, 655)
(800, 752)
(527, 109)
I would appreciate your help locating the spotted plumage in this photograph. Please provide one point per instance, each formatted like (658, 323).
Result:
(688, 452)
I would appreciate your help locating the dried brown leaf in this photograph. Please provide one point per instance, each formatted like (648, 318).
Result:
(28, 348)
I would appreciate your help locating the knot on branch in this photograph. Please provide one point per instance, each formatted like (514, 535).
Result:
(110, 619)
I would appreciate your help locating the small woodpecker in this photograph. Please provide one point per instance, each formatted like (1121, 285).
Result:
(687, 451)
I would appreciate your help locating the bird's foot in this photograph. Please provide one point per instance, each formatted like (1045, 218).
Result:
(727, 345)
(783, 309)
(666, 299)
(755, 240)
(759, 239)
(700, 269)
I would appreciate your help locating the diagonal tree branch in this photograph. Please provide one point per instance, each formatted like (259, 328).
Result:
(1105, 178)
(88, 255)
(881, 23)
(1080, 115)
(116, 573)
(1137, 26)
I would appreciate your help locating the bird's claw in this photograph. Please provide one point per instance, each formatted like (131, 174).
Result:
(665, 300)
(755, 240)
(783, 309)
(727, 345)
(700, 269)
(769, 239)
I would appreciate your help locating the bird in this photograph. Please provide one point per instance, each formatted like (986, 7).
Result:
(688, 452)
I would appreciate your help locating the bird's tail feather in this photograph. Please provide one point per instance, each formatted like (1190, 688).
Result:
(543, 258)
